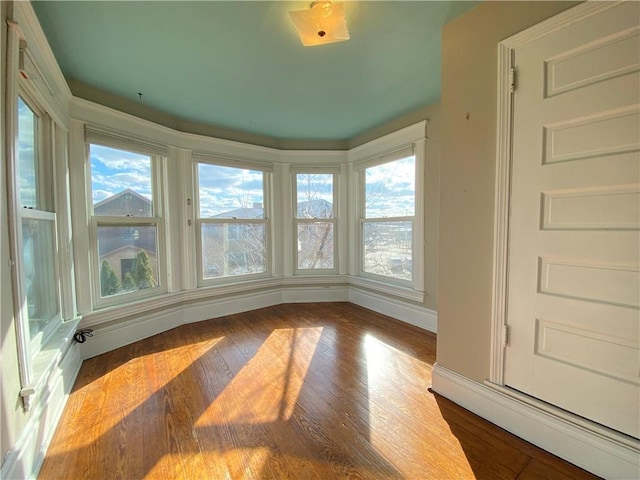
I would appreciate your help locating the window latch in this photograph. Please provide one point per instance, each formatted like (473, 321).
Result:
(26, 394)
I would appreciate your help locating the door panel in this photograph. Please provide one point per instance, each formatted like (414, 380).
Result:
(574, 247)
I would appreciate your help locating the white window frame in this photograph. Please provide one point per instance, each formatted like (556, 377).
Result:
(412, 289)
(100, 137)
(25, 80)
(334, 172)
(44, 212)
(267, 179)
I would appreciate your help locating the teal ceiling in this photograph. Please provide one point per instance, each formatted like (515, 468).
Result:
(240, 64)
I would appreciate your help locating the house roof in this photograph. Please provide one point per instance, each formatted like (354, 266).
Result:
(118, 195)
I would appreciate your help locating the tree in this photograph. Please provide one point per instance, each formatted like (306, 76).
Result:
(141, 272)
(109, 281)
(128, 283)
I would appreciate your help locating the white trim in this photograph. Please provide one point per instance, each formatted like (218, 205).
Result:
(111, 337)
(57, 95)
(343, 219)
(561, 20)
(314, 281)
(395, 290)
(231, 162)
(413, 314)
(501, 215)
(311, 282)
(327, 161)
(65, 231)
(388, 143)
(95, 114)
(14, 210)
(26, 456)
(418, 232)
(107, 137)
(401, 153)
(116, 327)
(313, 294)
(547, 428)
(78, 179)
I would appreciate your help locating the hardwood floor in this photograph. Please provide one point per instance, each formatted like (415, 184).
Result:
(313, 391)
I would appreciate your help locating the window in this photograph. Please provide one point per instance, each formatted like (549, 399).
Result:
(315, 222)
(126, 224)
(388, 217)
(231, 221)
(39, 278)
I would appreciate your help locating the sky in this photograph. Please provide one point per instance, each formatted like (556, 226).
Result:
(26, 159)
(113, 171)
(222, 189)
(390, 187)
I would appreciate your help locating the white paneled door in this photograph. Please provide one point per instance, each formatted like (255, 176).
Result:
(573, 274)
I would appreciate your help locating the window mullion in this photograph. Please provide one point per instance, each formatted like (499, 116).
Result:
(114, 220)
(389, 219)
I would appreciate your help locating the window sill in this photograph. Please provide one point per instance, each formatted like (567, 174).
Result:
(406, 293)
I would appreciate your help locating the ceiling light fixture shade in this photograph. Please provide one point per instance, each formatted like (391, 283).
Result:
(324, 22)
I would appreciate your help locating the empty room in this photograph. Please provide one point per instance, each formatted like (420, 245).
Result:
(320, 240)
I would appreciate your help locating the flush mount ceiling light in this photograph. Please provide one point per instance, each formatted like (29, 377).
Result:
(324, 22)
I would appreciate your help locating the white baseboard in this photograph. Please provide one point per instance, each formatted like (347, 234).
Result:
(315, 294)
(221, 306)
(398, 309)
(114, 335)
(118, 334)
(586, 448)
(24, 460)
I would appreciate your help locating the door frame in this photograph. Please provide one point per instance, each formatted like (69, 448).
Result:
(507, 83)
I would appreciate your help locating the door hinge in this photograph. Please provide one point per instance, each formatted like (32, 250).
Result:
(505, 335)
(512, 79)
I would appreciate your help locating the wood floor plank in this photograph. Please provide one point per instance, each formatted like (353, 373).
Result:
(314, 391)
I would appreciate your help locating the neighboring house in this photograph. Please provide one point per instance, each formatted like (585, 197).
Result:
(237, 248)
(120, 245)
(126, 202)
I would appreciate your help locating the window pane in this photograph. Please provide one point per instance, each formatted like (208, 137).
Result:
(387, 249)
(227, 192)
(233, 249)
(315, 245)
(120, 182)
(38, 249)
(314, 195)
(128, 258)
(390, 189)
(26, 153)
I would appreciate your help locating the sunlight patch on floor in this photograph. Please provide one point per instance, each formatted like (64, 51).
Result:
(273, 392)
(385, 379)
